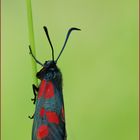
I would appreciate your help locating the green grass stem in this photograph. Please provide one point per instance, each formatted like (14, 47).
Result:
(31, 40)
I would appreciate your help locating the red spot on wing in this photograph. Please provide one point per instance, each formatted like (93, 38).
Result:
(52, 117)
(42, 88)
(42, 131)
(42, 112)
(49, 90)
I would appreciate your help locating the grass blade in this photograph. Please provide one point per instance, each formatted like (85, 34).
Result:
(31, 40)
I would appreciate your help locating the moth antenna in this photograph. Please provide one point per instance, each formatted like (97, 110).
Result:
(47, 34)
(34, 57)
(67, 36)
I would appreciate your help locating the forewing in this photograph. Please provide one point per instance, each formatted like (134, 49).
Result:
(48, 120)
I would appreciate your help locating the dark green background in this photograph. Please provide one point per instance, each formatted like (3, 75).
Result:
(99, 66)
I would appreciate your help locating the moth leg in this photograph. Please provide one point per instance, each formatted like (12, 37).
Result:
(31, 117)
(35, 89)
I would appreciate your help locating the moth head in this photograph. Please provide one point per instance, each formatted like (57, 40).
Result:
(48, 66)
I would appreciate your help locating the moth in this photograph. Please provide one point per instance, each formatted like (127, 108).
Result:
(49, 116)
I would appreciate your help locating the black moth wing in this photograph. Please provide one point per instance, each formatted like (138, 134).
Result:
(49, 120)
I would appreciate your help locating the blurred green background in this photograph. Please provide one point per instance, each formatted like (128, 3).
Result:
(99, 66)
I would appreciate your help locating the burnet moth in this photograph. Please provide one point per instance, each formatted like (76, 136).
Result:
(49, 116)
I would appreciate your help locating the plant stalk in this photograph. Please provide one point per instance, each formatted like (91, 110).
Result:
(31, 40)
